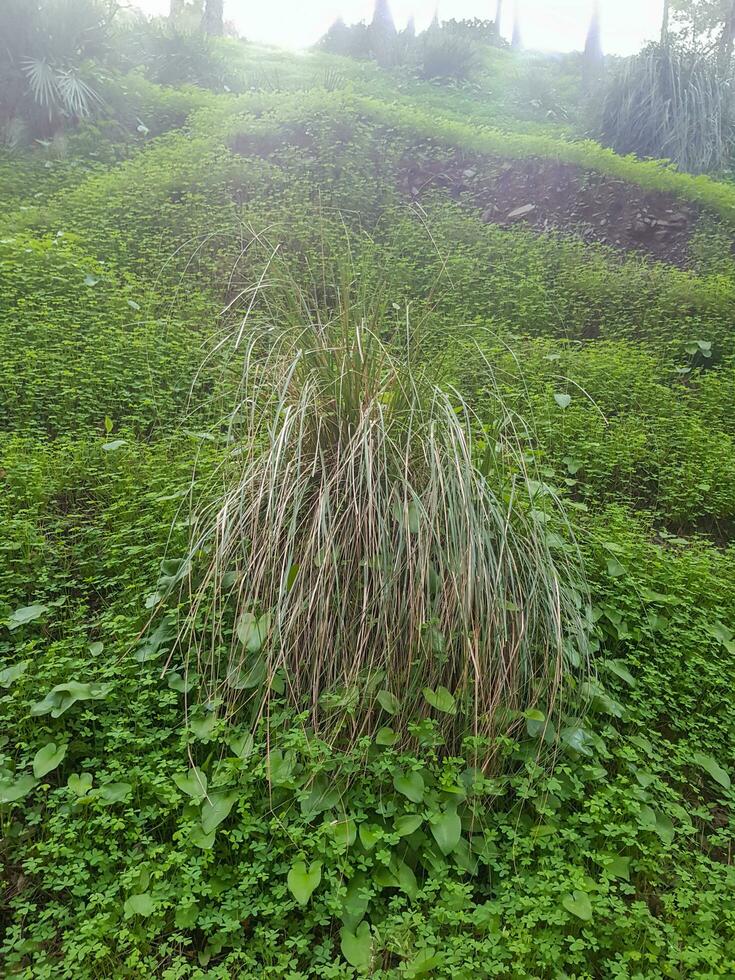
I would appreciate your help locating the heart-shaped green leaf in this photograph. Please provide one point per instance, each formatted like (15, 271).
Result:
(142, 905)
(411, 784)
(64, 696)
(181, 684)
(578, 903)
(356, 901)
(80, 783)
(247, 675)
(407, 880)
(618, 867)
(386, 736)
(193, 783)
(25, 614)
(252, 631)
(216, 809)
(447, 830)
(11, 674)
(200, 839)
(47, 759)
(407, 823)
(369, 835)
(242, 745)
(345, 832)
(202, 724)
(441, 699)
(114, 793)
(562, 400)
(12, 790)
(712, 768)
(424, 962)
(388, 702)
(302, 880)
(357, 946)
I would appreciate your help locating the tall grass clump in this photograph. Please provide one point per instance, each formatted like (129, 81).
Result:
(669, 104)
(373, 557)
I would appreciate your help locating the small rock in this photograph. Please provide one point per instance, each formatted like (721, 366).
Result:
(521, 212)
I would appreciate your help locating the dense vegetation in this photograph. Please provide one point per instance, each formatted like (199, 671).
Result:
(156, 819)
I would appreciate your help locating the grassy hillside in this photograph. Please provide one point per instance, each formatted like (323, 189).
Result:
(127, 259)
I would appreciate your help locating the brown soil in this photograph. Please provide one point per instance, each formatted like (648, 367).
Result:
(550, 196)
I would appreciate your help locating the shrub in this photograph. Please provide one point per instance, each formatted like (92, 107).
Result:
(672, 105)
(357, 524)
(446, 55)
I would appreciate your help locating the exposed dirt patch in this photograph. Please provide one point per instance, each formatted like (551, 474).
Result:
(546, 195)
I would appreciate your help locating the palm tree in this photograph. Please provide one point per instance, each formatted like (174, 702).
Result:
(46, 44)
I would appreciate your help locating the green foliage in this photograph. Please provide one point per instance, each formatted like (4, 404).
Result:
(143, 834)
(446, 55)
(669, 105)
(47, 44)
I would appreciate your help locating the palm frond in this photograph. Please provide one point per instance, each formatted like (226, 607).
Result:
(43, 80)
(76, 95)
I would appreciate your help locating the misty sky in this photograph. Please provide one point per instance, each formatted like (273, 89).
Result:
(547, 24)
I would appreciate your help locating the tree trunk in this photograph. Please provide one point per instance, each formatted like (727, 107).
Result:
(213, 18)
(726, 41)
(517, 39)
(498, 17)
(665, 23)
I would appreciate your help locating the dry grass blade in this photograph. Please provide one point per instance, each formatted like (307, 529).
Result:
(359, 548)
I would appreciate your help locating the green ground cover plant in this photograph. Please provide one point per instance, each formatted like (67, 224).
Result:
(151, 823)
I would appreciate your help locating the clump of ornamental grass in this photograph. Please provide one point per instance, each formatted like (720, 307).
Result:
(374, 556)
(669, 104)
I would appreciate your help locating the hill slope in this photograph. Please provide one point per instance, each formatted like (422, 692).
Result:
(601, 290)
